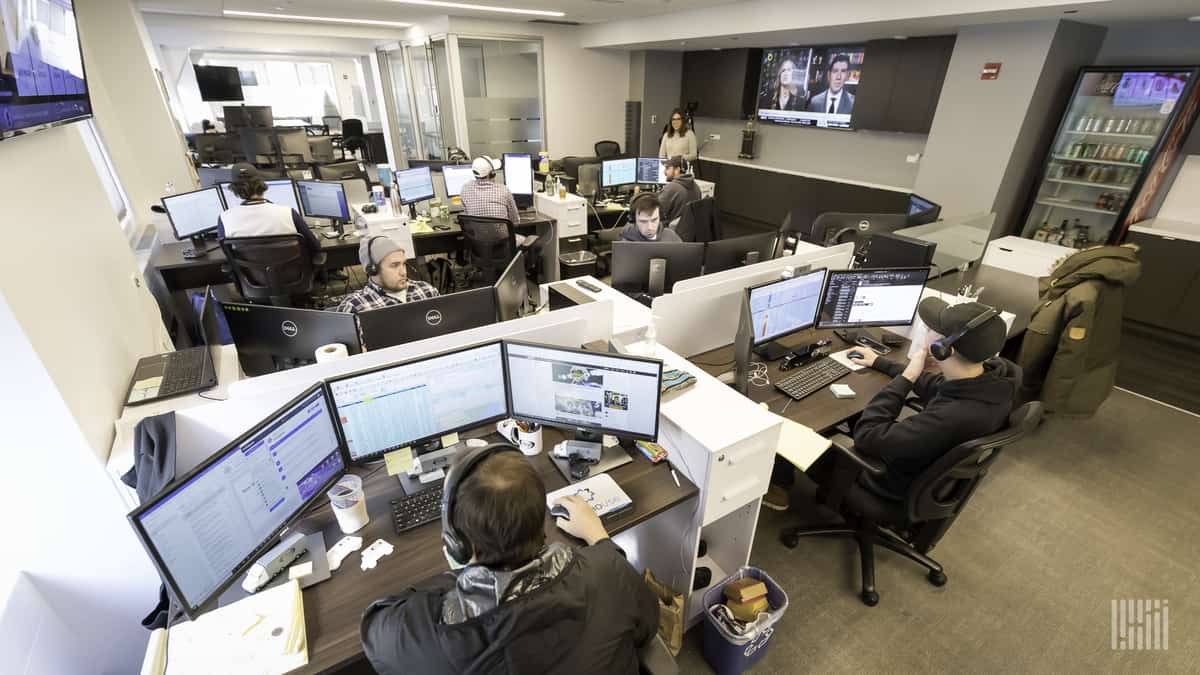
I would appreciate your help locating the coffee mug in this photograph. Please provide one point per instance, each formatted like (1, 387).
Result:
(525, 435)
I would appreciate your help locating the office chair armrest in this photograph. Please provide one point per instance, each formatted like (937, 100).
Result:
(845, 445)
(319, 259)
(528, 243)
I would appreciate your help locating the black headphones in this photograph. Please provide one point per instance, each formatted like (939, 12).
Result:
(457, 546)
(491, 168)
(372, 267)
(942, 349)
(633, 203)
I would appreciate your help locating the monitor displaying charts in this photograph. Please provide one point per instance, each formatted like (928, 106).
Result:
(786, 306)
(617, 172)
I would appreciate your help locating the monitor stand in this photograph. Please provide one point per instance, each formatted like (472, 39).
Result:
(772, 351)
(198, 249)
(430, 462)
(315, 554)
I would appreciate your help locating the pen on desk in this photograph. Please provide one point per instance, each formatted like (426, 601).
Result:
(676, 477)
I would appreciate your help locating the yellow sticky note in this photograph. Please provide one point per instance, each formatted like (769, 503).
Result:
(300, 571)
(449, 440)
(399, 461)
(148, 383)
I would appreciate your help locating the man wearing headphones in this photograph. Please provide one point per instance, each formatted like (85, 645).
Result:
(485, 197)
(387, 278)
(647, 224)
(514, 604)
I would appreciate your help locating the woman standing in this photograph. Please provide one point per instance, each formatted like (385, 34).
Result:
(678, 140)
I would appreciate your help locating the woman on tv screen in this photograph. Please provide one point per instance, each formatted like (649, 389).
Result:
(787, 93)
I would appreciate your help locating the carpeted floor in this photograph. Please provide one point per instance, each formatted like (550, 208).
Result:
(1079, 514)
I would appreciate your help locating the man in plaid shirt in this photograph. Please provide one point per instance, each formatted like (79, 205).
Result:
(485, 197)
(388, 283)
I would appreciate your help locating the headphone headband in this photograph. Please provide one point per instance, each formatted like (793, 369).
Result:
(372, 267)
(456, 545)
(941, 349)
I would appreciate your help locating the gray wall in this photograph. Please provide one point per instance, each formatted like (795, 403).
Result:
(876, 157)
(660, 95)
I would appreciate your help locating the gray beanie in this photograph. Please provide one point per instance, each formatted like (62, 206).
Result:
(380, 247)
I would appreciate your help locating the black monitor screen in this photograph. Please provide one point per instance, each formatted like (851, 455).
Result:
(886, 297)
(42, 79)
(288, 332)
(631, 263)
(399, 324)
(323, 199)
(218, 83)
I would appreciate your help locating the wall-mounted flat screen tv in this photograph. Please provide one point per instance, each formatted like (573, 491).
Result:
(218, 83)
(42, 82)
(810, 86)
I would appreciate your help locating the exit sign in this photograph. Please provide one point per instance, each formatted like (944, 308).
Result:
(991, 71)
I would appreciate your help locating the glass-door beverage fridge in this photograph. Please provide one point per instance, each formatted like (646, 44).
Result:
(1119, 125)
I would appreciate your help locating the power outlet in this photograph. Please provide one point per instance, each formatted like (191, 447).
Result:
(654, 119)
(714, 137)
(913, 158)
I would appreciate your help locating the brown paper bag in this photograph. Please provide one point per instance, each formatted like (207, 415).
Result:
(670, 613)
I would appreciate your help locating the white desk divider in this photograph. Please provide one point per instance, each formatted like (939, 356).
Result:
(803, 248)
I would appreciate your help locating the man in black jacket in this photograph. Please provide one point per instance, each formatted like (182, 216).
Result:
(680, 190)
(519, 606)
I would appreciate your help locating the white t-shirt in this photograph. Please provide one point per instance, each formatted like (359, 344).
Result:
(258, 220)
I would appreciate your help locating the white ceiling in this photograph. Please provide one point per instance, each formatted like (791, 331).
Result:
(582, 11)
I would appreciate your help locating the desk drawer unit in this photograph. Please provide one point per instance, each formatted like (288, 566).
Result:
(738, 474)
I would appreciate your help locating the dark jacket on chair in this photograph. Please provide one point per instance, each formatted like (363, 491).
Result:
(573, 611)
(1069, 353)
(955, 411)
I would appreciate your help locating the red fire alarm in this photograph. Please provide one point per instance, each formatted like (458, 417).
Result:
(991, 71)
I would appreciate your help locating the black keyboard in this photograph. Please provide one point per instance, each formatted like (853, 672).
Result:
(811, 377)
(416, 510)
(184, 371)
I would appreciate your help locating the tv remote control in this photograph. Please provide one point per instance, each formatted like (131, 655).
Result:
(587, 285)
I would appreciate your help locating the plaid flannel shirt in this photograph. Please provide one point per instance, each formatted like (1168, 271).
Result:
(485, 197)
(372, 296)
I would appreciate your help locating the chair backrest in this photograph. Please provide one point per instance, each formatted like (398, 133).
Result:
(942, 489)
(322, 148)
(352, 128)
(589, 180)
(490, 244)
(273, 268)
(699, 221)
(833, 228)
(607, 148)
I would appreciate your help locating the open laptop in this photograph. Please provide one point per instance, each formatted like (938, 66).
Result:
(182, 371)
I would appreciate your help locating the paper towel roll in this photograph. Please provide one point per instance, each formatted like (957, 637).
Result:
(331, 352)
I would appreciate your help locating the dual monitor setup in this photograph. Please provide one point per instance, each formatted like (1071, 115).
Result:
(633, 171)
(518, 177)
(210, 525)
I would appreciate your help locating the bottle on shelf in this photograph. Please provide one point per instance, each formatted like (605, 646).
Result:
(1043, 232)
(1055, 236)
(1081, 124)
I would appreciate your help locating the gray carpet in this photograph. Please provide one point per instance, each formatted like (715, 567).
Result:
(1078, 514)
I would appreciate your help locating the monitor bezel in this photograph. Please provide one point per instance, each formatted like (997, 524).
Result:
(871, 324)
(504, 167)
(618, 159)
(662, 168)
(304, 212)
(295, 195)
(750, 290)
(421, 198)
(198, 233)
(455, 167)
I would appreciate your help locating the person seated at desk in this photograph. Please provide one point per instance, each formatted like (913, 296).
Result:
(647, 225)
(971, 397)
(680, 190)
(485, 197)
(678, 139)
(387, 278)
(257, 217)
(515, 604)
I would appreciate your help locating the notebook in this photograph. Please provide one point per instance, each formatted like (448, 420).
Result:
(600, 491)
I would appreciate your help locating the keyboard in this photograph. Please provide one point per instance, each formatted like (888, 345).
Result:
(812, 377)
(416, 510)
(184, 371)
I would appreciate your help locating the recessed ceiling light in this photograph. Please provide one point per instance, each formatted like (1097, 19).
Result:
(319, 19)
(479, 8)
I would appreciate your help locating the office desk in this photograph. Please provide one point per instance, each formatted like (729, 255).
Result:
(819, 411)
(333, 609)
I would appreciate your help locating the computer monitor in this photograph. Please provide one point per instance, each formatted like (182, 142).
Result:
(341, 171)
(632, 271)
(415, 185)
(281, 191)
(830, 229)
(194, 213)
(399, 324)
(886, 297)
(207, 527)
(593, 393)
(725, 254)
(651, 171)
(456, 176)
(518, 176)
(512, 289)
(241, 116)
(411, 403)
(618, 172)
(921, 211)
(210, 175)
(323, 199)
(888, 249)
(782, 307)
(263, 332)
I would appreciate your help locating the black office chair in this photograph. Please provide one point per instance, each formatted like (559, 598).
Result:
(699, 221)
(791, 232)
(909, 524)
(605, 149)
(278, 269)
(833, 228)
(354, 138)
(490, 245)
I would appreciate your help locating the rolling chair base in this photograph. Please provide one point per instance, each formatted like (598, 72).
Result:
(867, 537)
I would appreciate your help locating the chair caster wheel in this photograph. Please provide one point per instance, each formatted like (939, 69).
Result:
(789, 539)
(936, 578)
(870, 598)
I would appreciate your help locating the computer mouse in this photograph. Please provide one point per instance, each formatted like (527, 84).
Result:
(854, 354)
(560, 511)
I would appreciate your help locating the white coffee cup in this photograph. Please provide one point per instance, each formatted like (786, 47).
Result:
(530, 442)
(349, 503)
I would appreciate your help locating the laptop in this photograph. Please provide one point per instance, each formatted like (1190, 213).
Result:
(182, 371)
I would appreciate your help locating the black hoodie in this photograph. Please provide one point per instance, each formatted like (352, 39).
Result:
(955, 411)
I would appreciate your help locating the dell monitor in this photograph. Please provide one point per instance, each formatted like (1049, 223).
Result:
(192, 214)
(415, 185)
(323, 199)
(783, 307)
(265, 334)
(921, 211)
(341, 171)
(512, 289)
(281, 191)
(653, 267)
(651, 171)
(726, 254)
(518, 176)
(888, 249)
(830, 229)
(618, 172)
(413, 404)
(218, 83)
(411, 321)
(457, 176)
(886, 297)
(209, 526)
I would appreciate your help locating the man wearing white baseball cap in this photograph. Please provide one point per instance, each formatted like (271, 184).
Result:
(485, 197)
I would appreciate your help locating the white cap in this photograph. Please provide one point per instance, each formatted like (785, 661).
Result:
(484, 166)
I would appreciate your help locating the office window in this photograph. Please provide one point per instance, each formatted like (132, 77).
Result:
(299, 92)
(108, 176)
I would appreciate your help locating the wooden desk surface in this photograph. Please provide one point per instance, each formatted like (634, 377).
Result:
(333, 609)
(819, 411)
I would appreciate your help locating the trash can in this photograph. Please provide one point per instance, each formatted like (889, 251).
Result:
(728, 653)
(577, 264)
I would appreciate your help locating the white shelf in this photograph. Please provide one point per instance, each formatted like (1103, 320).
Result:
(1066, 158)
(696, 599)
(1073, 207)
(1148, 137)
(1110, 186)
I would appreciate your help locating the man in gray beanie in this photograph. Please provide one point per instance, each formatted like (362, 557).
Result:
(388, 283)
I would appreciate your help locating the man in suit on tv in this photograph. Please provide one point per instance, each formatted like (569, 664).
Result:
(835, 100)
